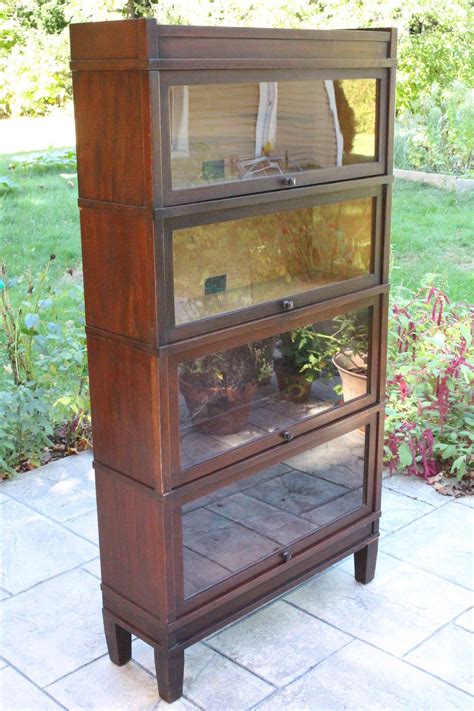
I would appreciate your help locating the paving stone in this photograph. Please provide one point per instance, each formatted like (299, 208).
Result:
(278, 642)
(263, 518)
(322, 515)
(416, 488)
(216, 683)
(19, 694)
(361, 677)
(86, 526)
(466, 501)
(466, 620)
(61, 490)
(398, 510)
(4, 593)
(439, 542)
(223, 541)
(55, 627)
(36, 548)
(3, 664)
(398, 610)
(340, 461)
(103, 686)
(448, 654)
(3, 498)
(93, 567)
(296, 492)
(210, 680)
(200, 572)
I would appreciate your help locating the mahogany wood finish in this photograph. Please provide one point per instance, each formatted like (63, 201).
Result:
(154, 508)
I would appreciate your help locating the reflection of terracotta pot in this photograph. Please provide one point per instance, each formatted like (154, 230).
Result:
(292, 384)
(218, 410)
(354, 382)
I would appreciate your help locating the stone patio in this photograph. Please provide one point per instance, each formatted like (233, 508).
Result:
(404, 641)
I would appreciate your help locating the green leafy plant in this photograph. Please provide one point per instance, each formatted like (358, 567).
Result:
(437, 133)
(430, 409)
(234, 368)
(45, 373)
(45, 162)
(309, 352)
(7, 186)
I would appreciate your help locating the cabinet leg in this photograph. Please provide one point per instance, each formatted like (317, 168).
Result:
(364, 563)
(119, 641)
(169, 673)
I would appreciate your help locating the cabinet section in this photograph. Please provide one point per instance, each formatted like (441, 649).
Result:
(269, 130)
(264, 519)
(268, 256)
(231, 399)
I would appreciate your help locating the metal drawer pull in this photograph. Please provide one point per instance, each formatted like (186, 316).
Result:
(289, 182)
(287, 304)
(288, 436)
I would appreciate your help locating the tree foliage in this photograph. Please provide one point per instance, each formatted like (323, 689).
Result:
(435, 38)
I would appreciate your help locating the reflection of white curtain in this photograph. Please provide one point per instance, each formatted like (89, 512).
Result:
(329, 84)
(180, 120)
(267, 116)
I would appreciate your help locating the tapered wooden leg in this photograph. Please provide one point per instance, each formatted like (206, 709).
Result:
(364, 563)
(119, 641)
(169, 673)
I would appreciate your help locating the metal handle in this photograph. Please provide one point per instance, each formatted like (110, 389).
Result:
(287, 304)
(289, 182)
(287, 555)
(287, 436)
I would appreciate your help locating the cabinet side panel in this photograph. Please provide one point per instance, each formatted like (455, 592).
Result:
(125, 409)
(119, 273)
(105, 40)
(112, 136)
(131, 540)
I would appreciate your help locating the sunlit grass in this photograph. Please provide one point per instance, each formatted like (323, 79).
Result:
(432, 230)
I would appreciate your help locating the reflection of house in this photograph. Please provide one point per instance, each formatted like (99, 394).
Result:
(293, 123)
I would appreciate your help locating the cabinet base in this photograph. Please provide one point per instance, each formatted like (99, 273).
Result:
(119, 641)
(364, 563)
(169, 673)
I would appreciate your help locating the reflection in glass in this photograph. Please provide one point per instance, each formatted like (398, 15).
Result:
(225, 266)
(233, 397)
(244, 522)
(228, 132)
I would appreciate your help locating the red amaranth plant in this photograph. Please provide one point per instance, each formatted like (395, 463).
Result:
(430, 408)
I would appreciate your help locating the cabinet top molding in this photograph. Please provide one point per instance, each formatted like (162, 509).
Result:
(144, 44)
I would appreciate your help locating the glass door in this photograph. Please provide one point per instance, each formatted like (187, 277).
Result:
(270, 256)
(264, 519)
(231, 399)
(268, 131)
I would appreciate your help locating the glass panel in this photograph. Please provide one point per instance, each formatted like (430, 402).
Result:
(225, 266)
(230, 398)
(229, 132)
(244, 522)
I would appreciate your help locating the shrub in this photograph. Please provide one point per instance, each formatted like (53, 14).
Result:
(438, 134)
(44, 162)
(430, 408)
(35, 75)
(45, 386)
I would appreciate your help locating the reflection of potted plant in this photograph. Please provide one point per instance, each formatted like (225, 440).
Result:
(305, 356)
(351, 360)
(219, 388)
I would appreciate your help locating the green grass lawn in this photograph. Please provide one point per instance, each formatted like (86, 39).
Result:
(432, 230)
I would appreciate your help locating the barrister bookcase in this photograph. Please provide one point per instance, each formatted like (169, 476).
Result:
(234, 192)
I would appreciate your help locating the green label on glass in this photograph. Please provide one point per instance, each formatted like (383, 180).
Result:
(215, 284)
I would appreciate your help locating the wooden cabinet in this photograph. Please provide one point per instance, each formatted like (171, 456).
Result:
(235, 191)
